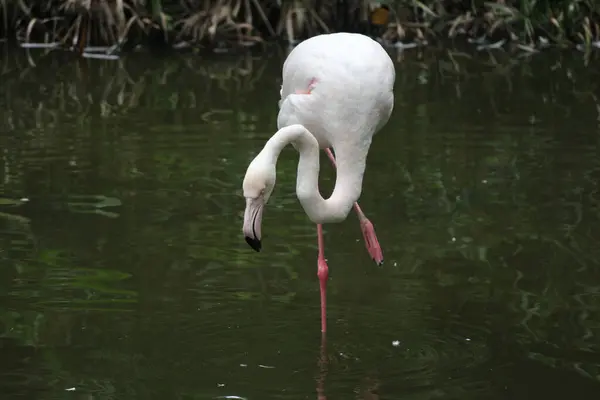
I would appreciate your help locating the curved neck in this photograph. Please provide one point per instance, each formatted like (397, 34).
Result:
(348, 184)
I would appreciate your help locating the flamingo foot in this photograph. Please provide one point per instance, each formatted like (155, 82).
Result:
(371, 242)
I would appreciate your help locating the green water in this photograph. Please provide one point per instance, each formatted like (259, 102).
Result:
(124, 273)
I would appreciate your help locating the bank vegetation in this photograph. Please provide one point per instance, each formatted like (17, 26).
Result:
(107, 27)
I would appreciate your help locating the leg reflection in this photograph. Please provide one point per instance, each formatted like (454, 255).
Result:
(322, 368)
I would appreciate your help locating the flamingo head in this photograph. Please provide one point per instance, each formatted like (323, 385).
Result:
(258, 186)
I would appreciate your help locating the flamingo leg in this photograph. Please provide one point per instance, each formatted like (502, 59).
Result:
(323, 274)
(368, 230)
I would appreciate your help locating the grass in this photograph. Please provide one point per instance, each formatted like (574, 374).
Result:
(102, 28)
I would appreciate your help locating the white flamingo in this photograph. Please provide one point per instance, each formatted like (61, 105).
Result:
(337, 92)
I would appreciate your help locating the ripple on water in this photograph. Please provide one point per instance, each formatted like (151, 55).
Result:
(395, 348)
(52, 286)
(405, 347)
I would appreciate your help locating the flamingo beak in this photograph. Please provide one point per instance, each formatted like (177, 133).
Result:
(253, 221)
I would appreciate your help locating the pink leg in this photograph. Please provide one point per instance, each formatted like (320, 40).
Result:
(366, 226)
(323, 273)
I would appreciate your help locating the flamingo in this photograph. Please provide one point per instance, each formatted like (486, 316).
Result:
(337, 92)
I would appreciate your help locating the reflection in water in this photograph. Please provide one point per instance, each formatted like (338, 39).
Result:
(122, 274)
(322, 368)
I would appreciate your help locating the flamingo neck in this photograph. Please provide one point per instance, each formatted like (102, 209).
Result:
(348, 184)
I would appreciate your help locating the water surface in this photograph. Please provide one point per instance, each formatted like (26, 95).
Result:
(124, 275)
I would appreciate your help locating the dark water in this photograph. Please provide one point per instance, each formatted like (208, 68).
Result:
(124, 275)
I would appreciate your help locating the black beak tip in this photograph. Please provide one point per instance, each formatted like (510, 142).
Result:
(254, 243)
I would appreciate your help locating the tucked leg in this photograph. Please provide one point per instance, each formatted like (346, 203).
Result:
(366, 226)
(323, 273)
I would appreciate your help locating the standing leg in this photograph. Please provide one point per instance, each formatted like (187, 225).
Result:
(366, 226)
(323, 273)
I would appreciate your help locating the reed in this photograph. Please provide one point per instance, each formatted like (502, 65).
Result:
(102, 28)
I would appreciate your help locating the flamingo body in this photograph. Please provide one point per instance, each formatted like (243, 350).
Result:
(350, 78)
(337, 92)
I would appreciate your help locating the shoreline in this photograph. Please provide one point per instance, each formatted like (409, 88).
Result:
(102, 30)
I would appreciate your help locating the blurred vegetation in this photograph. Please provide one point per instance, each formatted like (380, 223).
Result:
(120, 215)
(102, 28)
